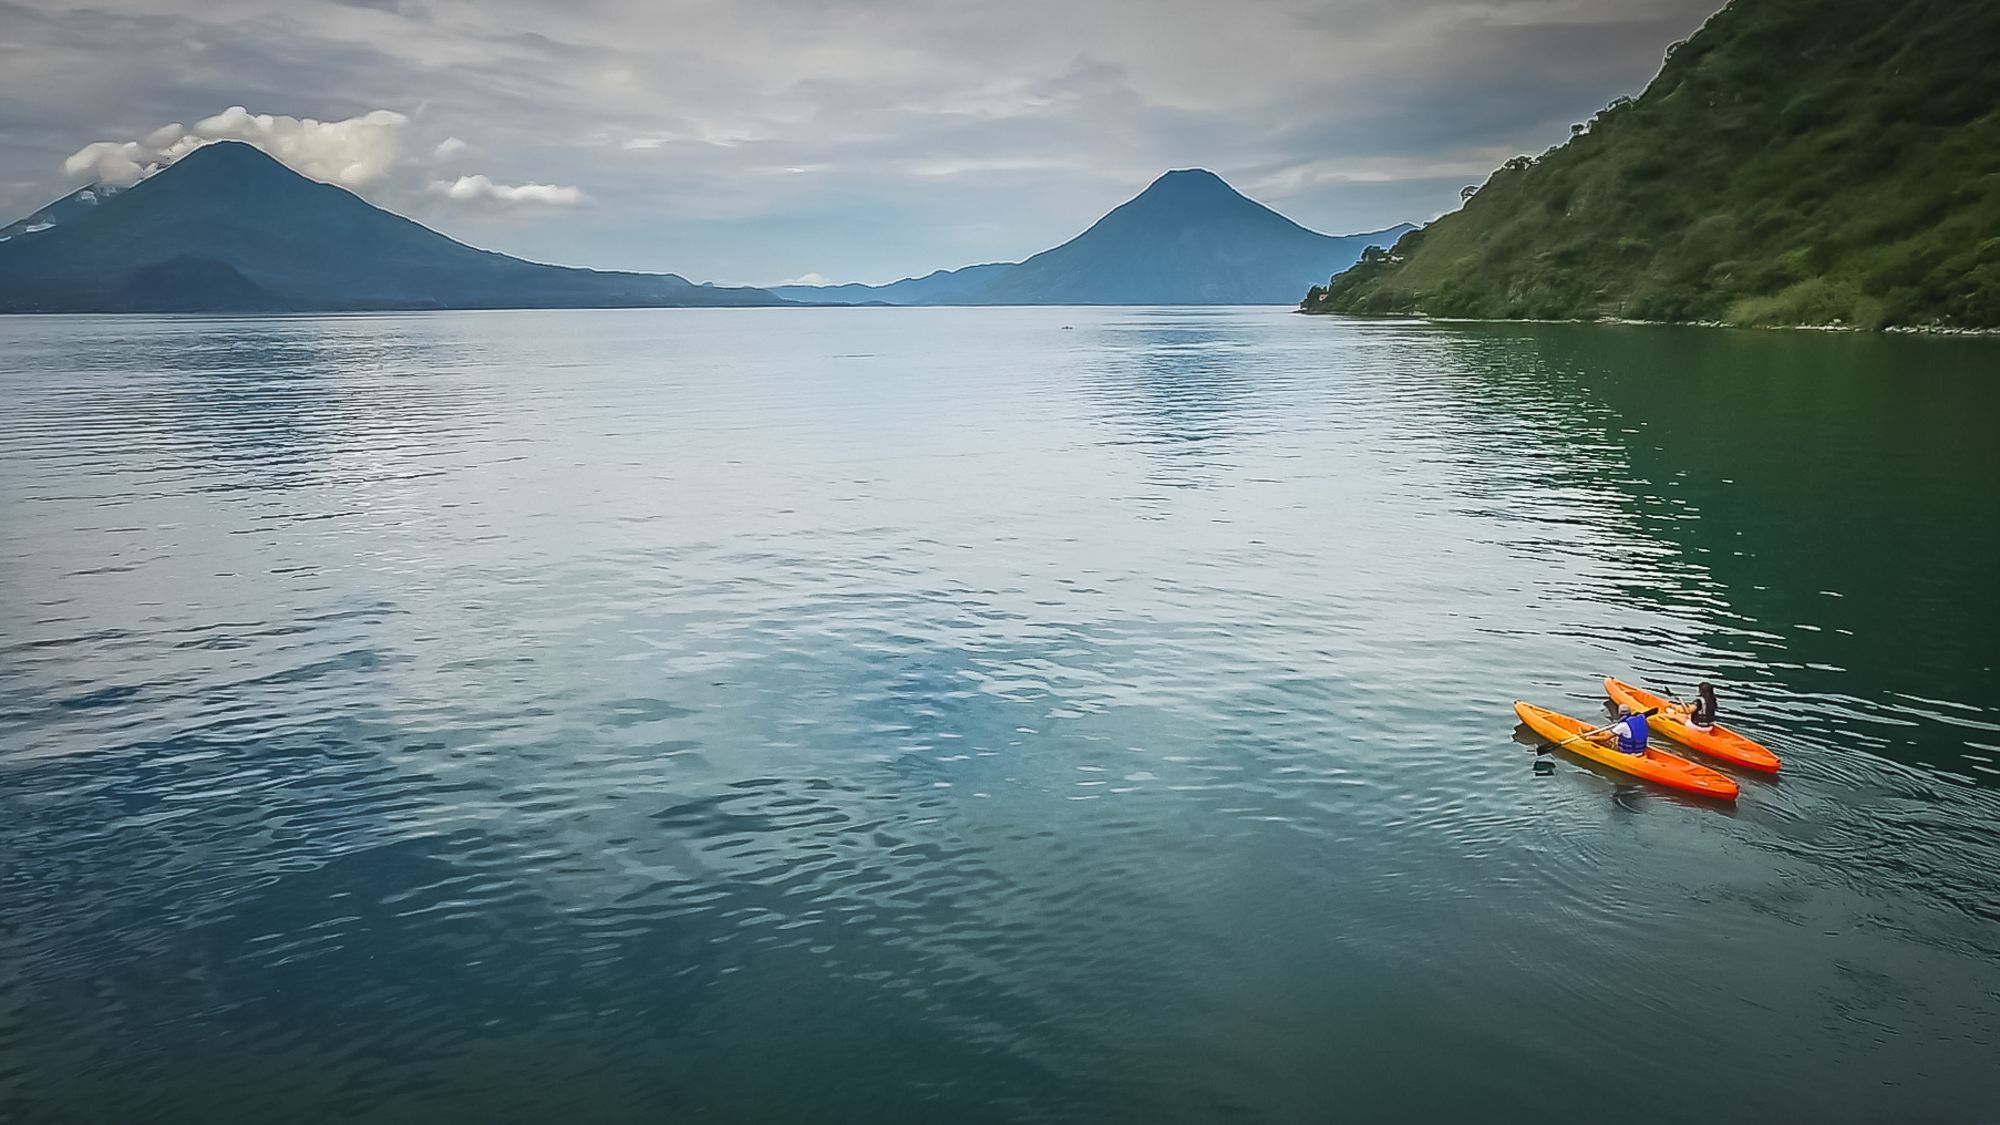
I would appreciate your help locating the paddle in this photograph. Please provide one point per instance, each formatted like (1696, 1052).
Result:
(1681, 705)
(1646, 714)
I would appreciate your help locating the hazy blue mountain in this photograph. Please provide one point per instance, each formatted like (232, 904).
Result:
(1189, 239)
(943, 287)
(229, 222)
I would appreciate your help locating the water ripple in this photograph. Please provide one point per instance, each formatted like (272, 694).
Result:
(934, 714)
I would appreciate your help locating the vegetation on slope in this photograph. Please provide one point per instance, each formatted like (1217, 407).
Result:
(1796, 162)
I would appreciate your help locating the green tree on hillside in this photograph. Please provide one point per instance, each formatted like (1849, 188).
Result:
(1795, 162)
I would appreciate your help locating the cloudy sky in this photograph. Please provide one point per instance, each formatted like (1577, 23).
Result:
(758, 141)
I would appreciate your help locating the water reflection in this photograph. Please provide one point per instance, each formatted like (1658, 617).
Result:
(1765, 529)
(917, 714)
(1186, 386)
(1796, 515)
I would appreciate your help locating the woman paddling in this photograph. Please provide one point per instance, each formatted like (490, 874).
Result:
(1701, 713)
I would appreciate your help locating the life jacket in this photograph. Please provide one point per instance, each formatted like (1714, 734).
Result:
(1704, 711)
(1632, 734)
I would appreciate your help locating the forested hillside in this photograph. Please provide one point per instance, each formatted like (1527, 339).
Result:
(1795, 162)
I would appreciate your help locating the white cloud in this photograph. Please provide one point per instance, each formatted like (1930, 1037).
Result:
(482, 189)
(111, 162)
(1472, 164)
(352, 153)
(806, 279)
(714, 134)
(372, 150)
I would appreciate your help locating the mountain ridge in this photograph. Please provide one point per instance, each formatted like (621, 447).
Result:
(296, 244)
(1188, 238)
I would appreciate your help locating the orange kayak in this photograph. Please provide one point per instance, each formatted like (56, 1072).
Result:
(1717, 741)
(1656, 766)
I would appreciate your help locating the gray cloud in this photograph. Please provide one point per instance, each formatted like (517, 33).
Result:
(764, 139)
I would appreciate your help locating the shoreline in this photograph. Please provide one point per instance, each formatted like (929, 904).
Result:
(1894, 329)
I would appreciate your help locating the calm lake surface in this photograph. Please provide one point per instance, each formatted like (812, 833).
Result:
(892, 715)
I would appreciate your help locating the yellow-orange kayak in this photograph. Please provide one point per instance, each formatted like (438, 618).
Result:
(1717, 741)
(1656, 766)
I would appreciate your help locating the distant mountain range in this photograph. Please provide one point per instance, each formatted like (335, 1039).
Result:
(229, 229)
(1188, 239)
(1795, 162)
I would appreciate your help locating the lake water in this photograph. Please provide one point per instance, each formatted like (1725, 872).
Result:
(902, 715)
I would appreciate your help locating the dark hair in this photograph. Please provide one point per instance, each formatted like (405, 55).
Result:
(1705, 688)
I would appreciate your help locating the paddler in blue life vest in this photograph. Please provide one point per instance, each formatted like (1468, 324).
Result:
(1631, 731)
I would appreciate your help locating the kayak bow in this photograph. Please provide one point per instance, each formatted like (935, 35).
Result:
(1717, 741)
(1656, 766)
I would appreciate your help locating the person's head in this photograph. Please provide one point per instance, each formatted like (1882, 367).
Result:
(1705, 688)
(1624, 710)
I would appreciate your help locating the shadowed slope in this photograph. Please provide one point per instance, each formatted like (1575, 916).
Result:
(302, 244)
